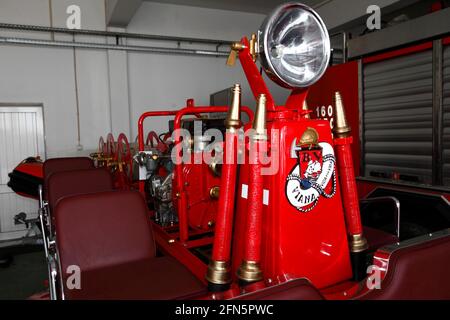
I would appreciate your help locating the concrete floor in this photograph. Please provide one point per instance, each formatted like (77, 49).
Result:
(25, 276)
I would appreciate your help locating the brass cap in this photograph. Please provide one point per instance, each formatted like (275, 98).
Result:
(218, 272)
(306, 108)
(249, 271)
(358, 243)
(214, 192)
(234, 113)
(259, 122)
(341, 127)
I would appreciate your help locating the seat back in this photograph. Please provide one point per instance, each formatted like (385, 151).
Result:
(67, 183)
(299, 289)
(100, 230)
(63, 164)
(416, 272)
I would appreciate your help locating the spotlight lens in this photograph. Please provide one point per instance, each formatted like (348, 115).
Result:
(294, 45)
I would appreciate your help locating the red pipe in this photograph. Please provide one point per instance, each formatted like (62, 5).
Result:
(141, 134)
(250, 270)
(348, 185)
(253, 75)
(224, 220)
(252, 250)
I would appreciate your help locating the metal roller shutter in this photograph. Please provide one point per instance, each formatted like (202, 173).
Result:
(446, 117)
(398, 98)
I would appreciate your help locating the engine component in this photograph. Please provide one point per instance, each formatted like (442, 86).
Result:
(161, 191)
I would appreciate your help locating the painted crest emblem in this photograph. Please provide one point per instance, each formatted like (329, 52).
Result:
(314, 175)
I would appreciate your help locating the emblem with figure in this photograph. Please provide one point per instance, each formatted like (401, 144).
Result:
(314, 175)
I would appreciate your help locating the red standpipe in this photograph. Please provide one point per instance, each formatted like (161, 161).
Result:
(342, 142)
(250, 271)
(348, 185)
(252, 250)
(224, 218)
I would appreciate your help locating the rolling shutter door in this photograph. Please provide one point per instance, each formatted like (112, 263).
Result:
(398, 118)
(446, 117)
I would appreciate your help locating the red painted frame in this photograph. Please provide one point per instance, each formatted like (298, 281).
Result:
(182, 200)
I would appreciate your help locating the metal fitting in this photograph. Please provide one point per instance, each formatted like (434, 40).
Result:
(218, 272)
(250, 271)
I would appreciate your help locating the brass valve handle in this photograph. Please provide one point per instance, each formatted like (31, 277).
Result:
(253, 49)
(235, 48)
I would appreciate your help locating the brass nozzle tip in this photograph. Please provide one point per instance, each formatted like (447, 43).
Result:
(259, 122)
(234, 113)
(306, 108)
(341, 128)
(218, 272)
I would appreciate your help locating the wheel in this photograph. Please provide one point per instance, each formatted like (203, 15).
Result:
(125, 161)
(101, 146)
(151, 138)
(110, 146)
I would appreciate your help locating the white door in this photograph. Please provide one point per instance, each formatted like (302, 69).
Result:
(21, 136)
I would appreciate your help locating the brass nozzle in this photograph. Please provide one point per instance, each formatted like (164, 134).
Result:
(259, 123)
(306, 108)
(218, 273)
(249, 271)
(234, 113)
(341, 128)
(358, 243)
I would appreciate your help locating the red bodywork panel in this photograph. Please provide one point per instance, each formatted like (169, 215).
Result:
(202, 209)
(295, 244)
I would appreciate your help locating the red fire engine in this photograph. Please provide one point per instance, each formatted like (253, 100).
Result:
(273, 213)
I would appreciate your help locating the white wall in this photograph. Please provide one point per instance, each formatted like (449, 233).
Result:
(114, 87)
(166, 81)
(46, 75)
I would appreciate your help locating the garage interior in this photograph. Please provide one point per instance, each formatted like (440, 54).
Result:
(79, 77)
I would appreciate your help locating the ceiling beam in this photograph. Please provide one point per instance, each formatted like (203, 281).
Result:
(120, 12)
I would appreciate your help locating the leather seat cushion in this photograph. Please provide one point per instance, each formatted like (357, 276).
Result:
(161, 278)
(417, 272)
(63, 164)
(73, 182)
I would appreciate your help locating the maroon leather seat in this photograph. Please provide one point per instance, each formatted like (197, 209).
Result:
(109, 237)
(378, 238)
(67, 183)
(416, 272)
(299, 289)
(63, 164)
